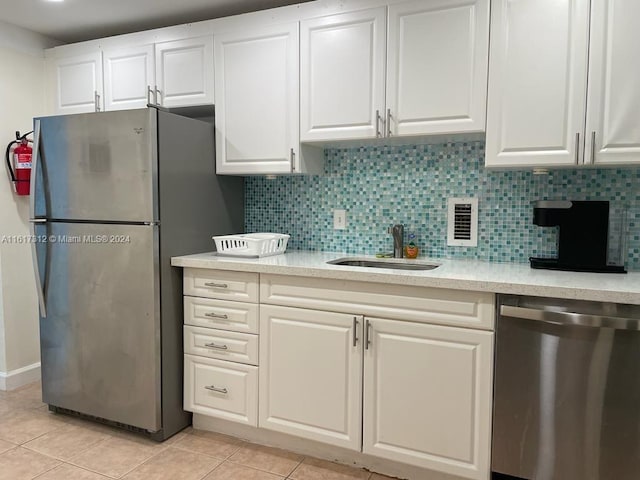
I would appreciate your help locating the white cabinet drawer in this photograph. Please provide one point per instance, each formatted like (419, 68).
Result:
(238, 286)
(401, 302)
(221, 314)
(221, 389)
(236, 347)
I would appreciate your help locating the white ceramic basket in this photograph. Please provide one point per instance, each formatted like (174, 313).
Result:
(252, 244)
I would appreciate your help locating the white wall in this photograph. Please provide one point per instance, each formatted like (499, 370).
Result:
(3, 356)
(22, 97)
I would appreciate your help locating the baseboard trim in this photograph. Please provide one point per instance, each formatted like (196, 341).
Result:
(318, 450)
(21, 376)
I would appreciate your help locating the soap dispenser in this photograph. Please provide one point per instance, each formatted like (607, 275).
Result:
(411, 249)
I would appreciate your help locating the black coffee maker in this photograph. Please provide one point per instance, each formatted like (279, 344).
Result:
(583, 233)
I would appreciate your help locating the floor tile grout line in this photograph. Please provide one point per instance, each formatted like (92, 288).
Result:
(213, 469)
(69, 462)
(235, 462)
(143, 462)
(106, 475)
(85, 469)
(297, 466)
(31, 439)
(257, 469)
(66, 460)
(47, 471)
(184, 449)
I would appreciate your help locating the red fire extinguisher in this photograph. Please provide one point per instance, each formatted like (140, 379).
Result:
(20, 167)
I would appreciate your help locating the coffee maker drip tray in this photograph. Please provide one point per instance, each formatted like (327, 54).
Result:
(555, 264)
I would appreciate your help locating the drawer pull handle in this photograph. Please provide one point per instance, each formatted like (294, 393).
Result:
(215, 345)
(216, 315)
(216, 285)
(213, 388)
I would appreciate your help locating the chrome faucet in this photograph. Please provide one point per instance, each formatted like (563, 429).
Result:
(398, 237)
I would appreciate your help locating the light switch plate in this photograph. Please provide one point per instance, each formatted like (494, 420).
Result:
(339, 219)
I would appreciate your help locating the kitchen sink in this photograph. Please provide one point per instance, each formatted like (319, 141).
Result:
(383, 263)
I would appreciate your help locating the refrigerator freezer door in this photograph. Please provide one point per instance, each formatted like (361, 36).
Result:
(98, 167)
(100, 339)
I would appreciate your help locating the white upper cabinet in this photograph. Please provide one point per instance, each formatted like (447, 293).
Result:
(257, 101)
(537, 82)
(613, 106)
(437, 66)
(429, 76)
(427, 396)
(129, 77)
(78, 83)
(342, 75)
(538, 99)
(184, 72)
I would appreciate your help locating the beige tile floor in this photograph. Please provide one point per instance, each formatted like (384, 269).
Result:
(35, 443)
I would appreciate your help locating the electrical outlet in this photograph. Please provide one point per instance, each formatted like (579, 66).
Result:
(339, 219)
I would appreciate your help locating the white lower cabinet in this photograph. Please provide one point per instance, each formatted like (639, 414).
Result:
(311, 374)
(221, 389)
(426, 390)
(221, 344)
(414, 387)
(427, 396)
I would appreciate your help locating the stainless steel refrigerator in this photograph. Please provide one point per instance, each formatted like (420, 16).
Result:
(114, 196)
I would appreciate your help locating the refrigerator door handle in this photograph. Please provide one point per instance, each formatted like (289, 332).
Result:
(32, 214)
(36, 268)
(34, 168)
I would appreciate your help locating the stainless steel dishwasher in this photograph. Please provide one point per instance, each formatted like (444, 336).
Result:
(567, 390)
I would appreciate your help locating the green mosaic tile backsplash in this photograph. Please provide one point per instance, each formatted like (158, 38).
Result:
(382, 185)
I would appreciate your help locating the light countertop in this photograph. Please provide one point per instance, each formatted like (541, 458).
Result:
(457, 274)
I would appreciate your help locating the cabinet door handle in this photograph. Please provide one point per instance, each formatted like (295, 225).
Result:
(216, 285)
(577, 148)
(158, 95)
(355, 331)
(293, 160)
(96, 99)
(223, 316)
(378, 132)
(388, 122)
(213, 388)
(215, 345)
(593, 147)
(367, 339)
(149, 95)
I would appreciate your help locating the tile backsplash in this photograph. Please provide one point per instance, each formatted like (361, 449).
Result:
(382, 185)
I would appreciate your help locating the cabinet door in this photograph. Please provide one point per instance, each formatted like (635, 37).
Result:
(342, 68)
(537, 82)
(256, 98)
(427, 396)
(437, 66)
(78, 82)
(613, 106)
(311, 375)
(184, 72)
(128, 76)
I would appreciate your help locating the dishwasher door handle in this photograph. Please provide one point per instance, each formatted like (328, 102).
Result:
(570, 318)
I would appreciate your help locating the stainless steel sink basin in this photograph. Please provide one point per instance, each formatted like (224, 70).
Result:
(384, 263)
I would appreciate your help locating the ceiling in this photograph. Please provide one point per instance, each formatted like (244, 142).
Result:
(78, 20)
